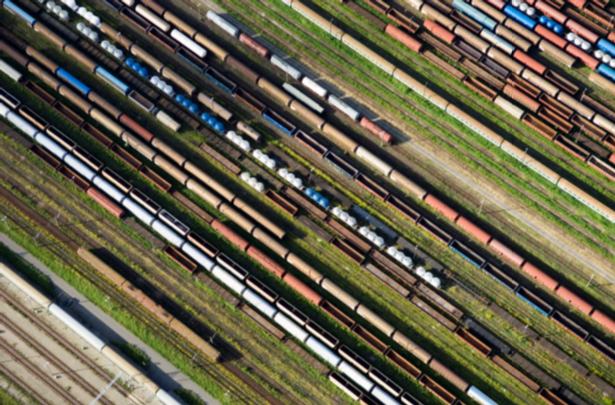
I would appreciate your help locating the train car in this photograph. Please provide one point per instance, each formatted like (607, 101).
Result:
(343, 107)
(287, 68)
(153, 18)
(255, 46)
(223, 24)
(173, 222)
(188, 43)
(586, 199)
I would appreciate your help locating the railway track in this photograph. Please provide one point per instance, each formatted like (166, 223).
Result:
(41, 375)
(462, 187)
(389, 116)
(99, 371)
(233, 360)
(540, 143)
(552, 254)
(51, 358)
(24, 385)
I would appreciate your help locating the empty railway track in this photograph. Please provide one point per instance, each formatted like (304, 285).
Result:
(41, 375)
(51, 358)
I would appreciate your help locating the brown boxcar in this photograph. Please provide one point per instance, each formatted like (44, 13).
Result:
(603, 320)
(574, 299)
(552, 37)
(229, 234)
(506, 252)
(404, 38)
(583, 56)
(302, 288)
(265, 261)
(473, 230)
(105, 202)
(540, 276)
(255, 46)
(442, 208)
(449, 375)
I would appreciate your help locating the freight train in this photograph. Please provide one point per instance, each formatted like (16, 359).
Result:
(173, 222)
(504, 145)
(454, 111)
(604, 321)
(474, 230)
(168, 227)
(262, 289)
(451, 214)
(530, 83)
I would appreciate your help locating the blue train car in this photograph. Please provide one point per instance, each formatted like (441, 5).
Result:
(475, 14)
(277, 120)
(519, 17)
(73, 81)
(606, 71)
(606, 46)
(112, 80)
(19, 12)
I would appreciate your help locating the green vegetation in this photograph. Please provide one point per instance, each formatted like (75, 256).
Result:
(134, 353)
(143, 331)
(27, 269)
(7, 399)
(294, 48)
(189, 397)
(284, 41)
(354, 268)
(121, 168)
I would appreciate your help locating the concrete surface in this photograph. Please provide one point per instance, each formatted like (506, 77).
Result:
(160, 371)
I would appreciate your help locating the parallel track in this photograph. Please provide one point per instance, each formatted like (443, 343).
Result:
(51, 358)
(99, 371)
(57, 233)
(402, 153)
(41, 375)
(24, 385)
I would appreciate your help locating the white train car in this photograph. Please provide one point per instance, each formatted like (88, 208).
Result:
(314, 87)
(183, 39)
(343, 107)
(222, 23)
(303, 98)
(10, 71)
(153, 18)
(280, 63)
